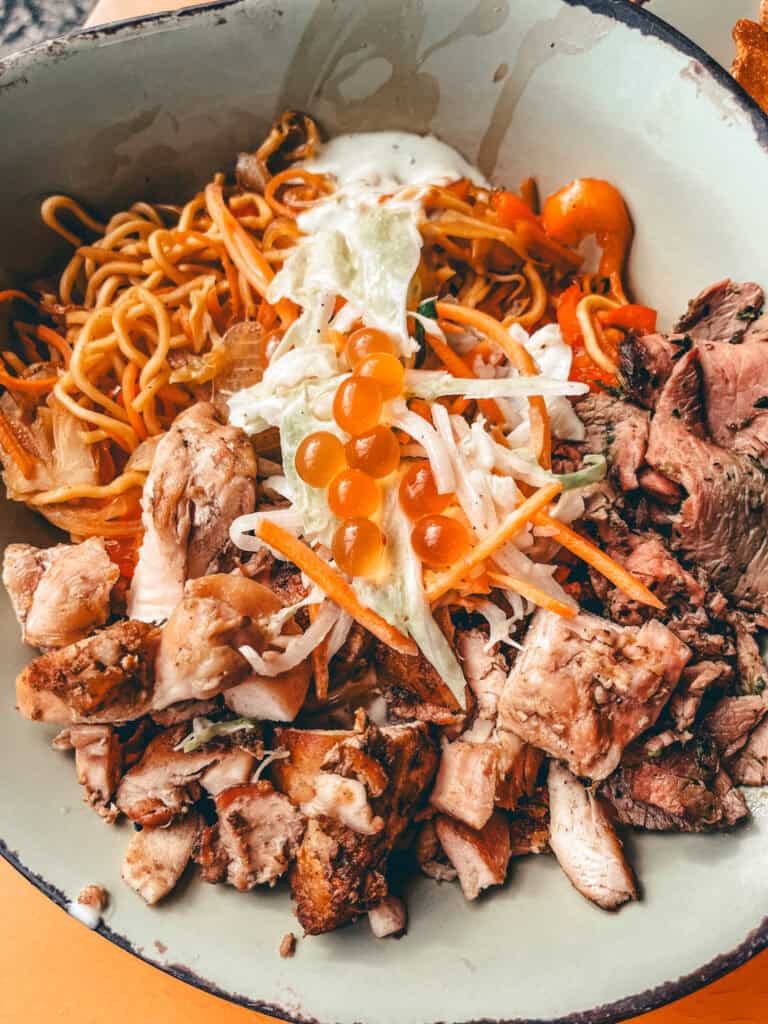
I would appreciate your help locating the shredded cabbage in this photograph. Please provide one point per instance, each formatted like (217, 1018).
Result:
(204, 730)
(433, 384)
(400, 599)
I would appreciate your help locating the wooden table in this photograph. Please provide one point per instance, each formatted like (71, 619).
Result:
(54, 969)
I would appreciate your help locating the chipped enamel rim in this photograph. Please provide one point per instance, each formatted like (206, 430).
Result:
(637, 18)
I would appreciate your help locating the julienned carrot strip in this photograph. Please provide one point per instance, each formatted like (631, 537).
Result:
(319, 660)
(455, 365)
(533, 593)
(15, 450)
(508, 528)
(520, 358)
(13, 293)
(130, 377)
(332, 584)
(587, 552)
(34, 386)
(53, 339)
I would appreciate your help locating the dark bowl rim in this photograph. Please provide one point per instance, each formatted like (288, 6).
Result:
(632, 14)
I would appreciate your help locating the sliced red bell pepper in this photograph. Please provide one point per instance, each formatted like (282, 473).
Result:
(630, 318)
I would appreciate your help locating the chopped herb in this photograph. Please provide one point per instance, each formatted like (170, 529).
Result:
(676, 413)
(612, 390)
(427, 308)
(750, 313)
(737, 338)
(761, 403)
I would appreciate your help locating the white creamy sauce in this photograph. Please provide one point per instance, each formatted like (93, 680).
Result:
(387, 161)
(89, 916)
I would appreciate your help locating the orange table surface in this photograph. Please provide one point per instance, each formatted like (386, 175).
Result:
(53, 969)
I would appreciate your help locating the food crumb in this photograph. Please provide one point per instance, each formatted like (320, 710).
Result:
(89, 905)
(288, 945)
(94, 896)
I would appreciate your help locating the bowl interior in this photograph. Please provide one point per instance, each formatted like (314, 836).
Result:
(555, 89)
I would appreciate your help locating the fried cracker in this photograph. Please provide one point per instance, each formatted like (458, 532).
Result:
(750, 68)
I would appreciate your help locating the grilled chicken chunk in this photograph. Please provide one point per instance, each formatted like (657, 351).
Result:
(156, 857)
(388, 918)
(586, 846)
(583, 688)
(480, 857)
(341, 873)
(465, 786)
(529, 825)
(199, 651)
(99, 764)
(256, 836)
(166, 781)
(108, 677)
(59, 594)
(203, 477)
(485, 671)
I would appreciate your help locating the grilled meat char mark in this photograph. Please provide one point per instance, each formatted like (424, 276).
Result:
(684, 789)
(255, 838)
(167, 782)
(339, 872)
(108, 677)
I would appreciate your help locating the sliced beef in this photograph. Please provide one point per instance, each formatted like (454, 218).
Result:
(340, 873)
(585, 844)
(582, 689)
(108, 677)
(735, 382)
(682, 790)
(156, 857)
(646, 362)
(722, 525)
(60, 594)
(618, 430)
(203, 477)
(722, 312)
(750, 766)
(166, 782)
(695, 681)
(254, 840)
(752, 671)
(479, 856)
(732, 720)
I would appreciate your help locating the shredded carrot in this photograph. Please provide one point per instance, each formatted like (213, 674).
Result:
(35, 386)
(520, 358)
(511, 525)
(319, 660)
(8, 294)
(14, 448)
(333, 584)
(457, 366)
(130, 377)
(532, 593)
(598, 559)
(54, 340)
